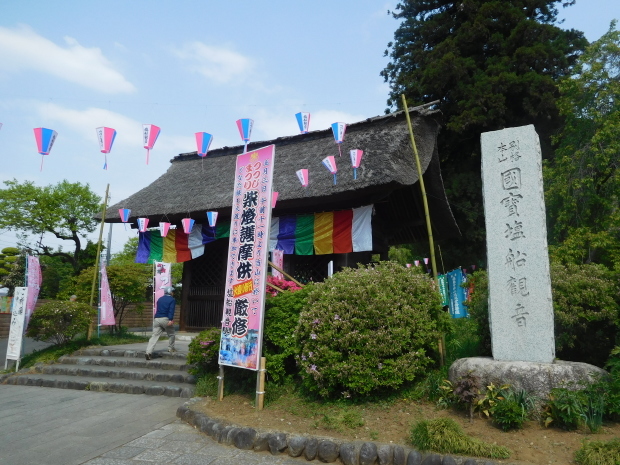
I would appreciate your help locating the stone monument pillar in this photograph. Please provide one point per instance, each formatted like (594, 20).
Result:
(520, 303)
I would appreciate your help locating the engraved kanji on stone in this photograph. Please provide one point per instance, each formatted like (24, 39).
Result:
(511, 179)
(514, 232)
(515, 258)
(520, 316)
(511, 203)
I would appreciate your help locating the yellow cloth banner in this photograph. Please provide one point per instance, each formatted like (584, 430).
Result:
(323, 233)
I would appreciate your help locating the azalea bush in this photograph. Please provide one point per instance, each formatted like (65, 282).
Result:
(60, 321)
(368, 329)
(203, 351)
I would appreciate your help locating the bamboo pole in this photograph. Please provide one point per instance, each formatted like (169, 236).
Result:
(275, 287)
(260, 384)
(277, 268)
(92, 289)
(426, 212)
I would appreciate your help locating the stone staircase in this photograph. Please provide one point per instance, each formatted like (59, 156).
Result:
(114, 369)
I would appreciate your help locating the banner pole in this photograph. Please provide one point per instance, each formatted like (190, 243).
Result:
(220, 384)
(260, 384)
(426, 212)
(92, 289)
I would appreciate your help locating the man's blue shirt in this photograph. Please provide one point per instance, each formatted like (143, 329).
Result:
(165, 307)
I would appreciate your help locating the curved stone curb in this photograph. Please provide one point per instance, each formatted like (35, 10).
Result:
(326, 450)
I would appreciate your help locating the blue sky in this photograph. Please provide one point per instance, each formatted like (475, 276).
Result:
(187, 66)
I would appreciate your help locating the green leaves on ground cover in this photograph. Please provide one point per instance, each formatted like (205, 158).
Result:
(444, 435)
(599, 453)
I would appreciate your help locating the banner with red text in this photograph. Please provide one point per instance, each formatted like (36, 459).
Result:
(246, 271)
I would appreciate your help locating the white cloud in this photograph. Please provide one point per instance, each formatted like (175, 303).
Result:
(23, 49)
(215, 63)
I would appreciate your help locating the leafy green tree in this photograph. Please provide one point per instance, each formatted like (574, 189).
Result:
(128, 284)
(583, 180)
(65, 210)
(491, 64)
(15, 267)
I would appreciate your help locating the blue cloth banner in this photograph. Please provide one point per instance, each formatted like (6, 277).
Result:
(457, 294)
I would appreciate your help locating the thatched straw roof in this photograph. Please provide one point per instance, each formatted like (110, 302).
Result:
(386, 178)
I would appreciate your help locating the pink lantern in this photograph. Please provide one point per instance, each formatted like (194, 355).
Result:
(417, 262)
(356, 160)
(124, 214)
(245, 131)
(203, 142)
(426, 261)
(339, 129)
(274, 199)
(164, 227)
(330, 164)
(143, 223)
(212, 218)
(188, 224)
(106, 137)
(473, 267)
(150, 133)
(45, 140)
(408, 265)
(303, 120)
(303, 177)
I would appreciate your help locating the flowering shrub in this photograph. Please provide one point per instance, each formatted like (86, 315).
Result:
(281, 318)
(203, 351)
(282, 284)
(367, 329)
(58, 321)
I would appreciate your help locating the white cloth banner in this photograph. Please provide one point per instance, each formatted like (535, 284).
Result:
(278, 260)
(161, 279)
(106, 307)
(362, 229)
(16, 331)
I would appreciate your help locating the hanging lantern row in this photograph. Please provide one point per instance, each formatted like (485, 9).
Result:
(164, 227)
(45, 137)
(330, 164)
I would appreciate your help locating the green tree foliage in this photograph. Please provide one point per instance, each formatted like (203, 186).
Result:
(369, 329)
(15, 275)
(128, 285)
(65, 210)
(60, 321)
(492, 64)
(583, 180)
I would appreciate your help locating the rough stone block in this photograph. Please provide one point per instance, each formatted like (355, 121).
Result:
(368, 453)
(245, 438)
(296, 445)
(400, 457)
(349, 453)
(328, 451)
(385, 454)
(277, 443)
(414, 458)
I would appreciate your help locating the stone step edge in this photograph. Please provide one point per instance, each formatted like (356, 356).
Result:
(96, 371)
(128, 353)
(326, 450)
(101, 386)
(124, 362)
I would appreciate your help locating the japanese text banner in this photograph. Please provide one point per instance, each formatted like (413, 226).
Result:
(242, 322)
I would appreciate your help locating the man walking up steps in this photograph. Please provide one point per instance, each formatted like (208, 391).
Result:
(163, 321)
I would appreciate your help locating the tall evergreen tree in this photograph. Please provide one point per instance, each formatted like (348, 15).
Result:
(492, 64)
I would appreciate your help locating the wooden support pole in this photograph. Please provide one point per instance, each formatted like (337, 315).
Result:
(260, 384)
(277, 268)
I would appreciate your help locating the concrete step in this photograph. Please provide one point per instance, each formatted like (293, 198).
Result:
(107, 384)
(134, 362)
(130, 353)
(132, 373)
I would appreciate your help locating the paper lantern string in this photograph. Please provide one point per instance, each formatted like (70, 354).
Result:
(106, 137)
(339, 129)
(330, 164)
(245, 131)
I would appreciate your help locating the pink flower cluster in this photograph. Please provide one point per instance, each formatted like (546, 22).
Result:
(282, 284)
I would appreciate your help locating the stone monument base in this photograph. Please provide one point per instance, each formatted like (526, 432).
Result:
(535, 378)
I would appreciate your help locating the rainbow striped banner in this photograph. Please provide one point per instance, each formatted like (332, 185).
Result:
(320, 233)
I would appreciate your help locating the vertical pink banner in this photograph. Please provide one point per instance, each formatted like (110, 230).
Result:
(278, 260)
(34, 285)
(106, 308)
(246, 272)
(161, 279)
